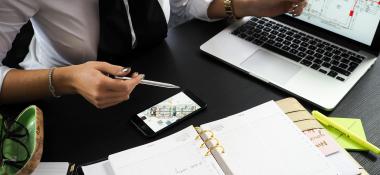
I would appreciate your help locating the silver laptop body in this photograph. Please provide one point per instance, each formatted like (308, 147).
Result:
(312, 84)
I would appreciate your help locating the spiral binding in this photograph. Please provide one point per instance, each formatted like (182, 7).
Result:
(210, 139)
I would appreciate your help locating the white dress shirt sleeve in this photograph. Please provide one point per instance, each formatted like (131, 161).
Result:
(13, 15)
(185, 10)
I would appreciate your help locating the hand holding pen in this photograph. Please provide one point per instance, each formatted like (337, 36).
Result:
(91, 80)
(150, 82)
(96, 82)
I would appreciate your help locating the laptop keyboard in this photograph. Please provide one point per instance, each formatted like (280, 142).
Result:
(326, 58)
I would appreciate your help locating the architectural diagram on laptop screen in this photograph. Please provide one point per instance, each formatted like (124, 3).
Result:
(355, 19)
(168, 111)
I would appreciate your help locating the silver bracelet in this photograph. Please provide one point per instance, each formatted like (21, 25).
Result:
(51, 87)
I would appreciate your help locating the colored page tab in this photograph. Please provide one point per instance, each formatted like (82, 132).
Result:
(325, 144)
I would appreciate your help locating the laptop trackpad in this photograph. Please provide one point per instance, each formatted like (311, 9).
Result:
(270, 67)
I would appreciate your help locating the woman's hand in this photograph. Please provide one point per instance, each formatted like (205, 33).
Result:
(91, 80)
(268, 7)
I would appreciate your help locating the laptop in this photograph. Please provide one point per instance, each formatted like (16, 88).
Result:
(318, 56)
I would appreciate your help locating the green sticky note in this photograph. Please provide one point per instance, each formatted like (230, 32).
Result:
(354, 125)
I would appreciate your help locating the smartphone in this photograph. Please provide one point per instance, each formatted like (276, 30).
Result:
(167, 113)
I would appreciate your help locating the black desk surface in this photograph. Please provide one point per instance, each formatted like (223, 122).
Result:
(76, 131)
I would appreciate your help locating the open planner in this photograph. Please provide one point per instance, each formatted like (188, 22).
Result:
(260, 140)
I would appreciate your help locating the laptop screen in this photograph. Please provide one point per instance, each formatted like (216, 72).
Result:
(355, 19)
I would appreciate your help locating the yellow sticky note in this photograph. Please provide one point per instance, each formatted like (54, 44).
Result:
(354, 125)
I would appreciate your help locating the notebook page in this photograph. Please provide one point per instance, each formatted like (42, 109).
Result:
(263, 140)
(100, 168)
(178, 154)
(343, 163)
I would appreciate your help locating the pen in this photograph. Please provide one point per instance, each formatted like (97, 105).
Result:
(328, 122)
(151, 83)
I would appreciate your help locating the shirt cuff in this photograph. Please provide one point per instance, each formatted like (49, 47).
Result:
(3, 72)
(199, 8)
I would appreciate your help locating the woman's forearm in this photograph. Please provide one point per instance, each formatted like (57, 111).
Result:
(27, 85)
(88, 79)
(243, 8)
(216, 10)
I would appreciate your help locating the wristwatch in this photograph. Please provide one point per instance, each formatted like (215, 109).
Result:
(228, 8)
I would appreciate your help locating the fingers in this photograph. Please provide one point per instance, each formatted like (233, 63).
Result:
(115, 85)
(105, 99)
(295, 1)
(136, 79)
(109, 105)
(112, 69)
(297, 8)
(116, 92)
(112, 100)
(135, 74)
(122, 85)
(300, 9)
(125, 71)
(292, 10)
(101, 90)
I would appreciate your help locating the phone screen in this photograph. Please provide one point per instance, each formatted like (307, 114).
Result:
(168, 112)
